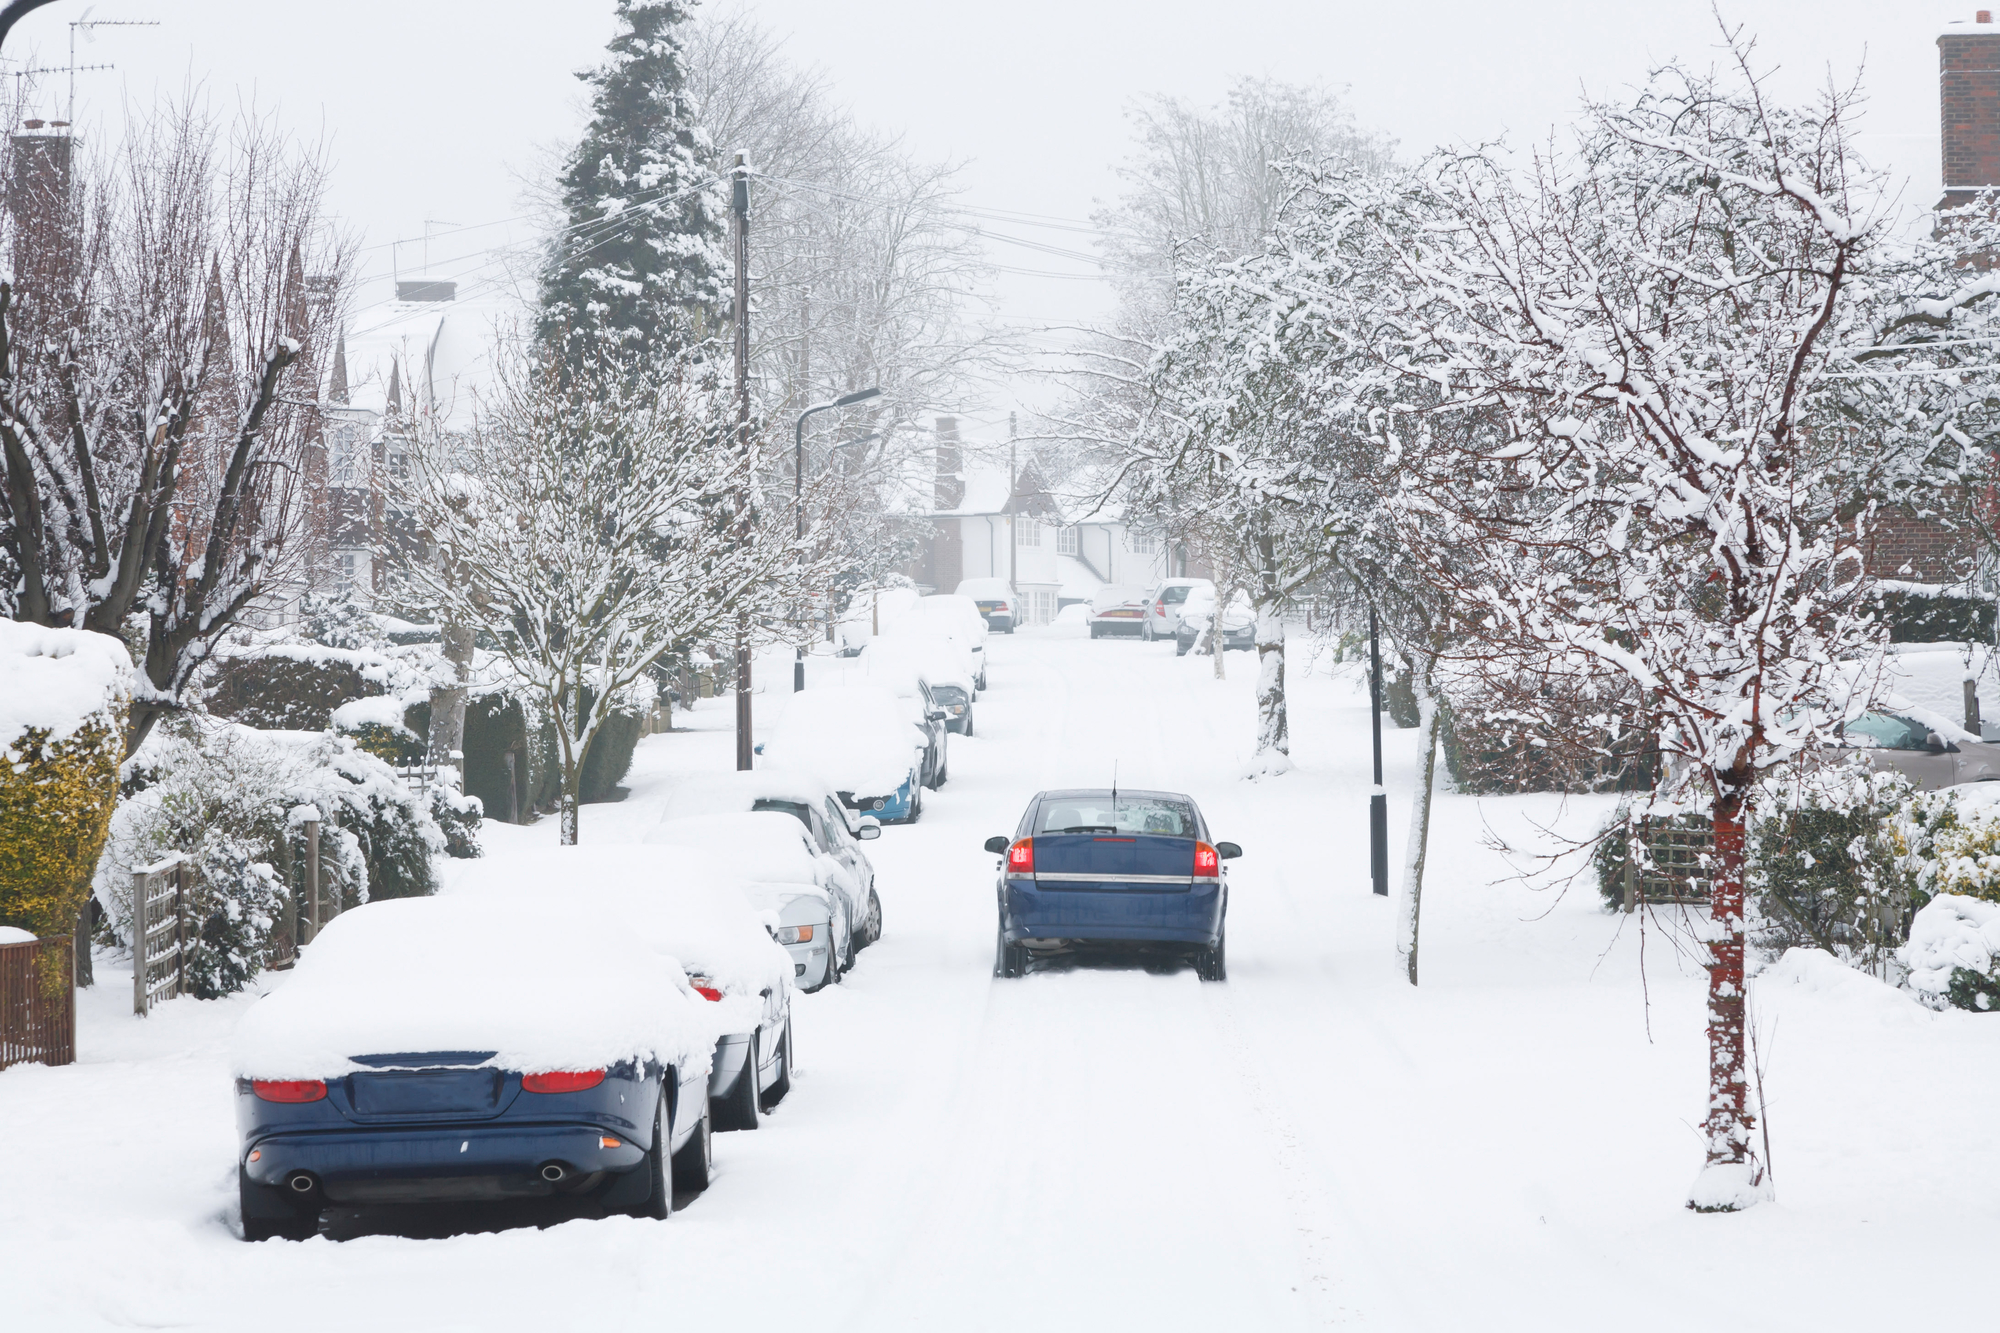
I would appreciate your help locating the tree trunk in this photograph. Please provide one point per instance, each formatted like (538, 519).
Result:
(446, 742)
(1731, 1178)
(1408, 910)
(572, 779)
(1274, 736)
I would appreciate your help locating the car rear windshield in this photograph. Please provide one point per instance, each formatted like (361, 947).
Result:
(1101, 812)
(1175, 596)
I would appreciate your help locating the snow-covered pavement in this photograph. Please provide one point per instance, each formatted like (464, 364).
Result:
(1311, 1143)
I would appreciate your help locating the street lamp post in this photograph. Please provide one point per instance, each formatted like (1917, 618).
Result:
(1378, 800)
(799, 497)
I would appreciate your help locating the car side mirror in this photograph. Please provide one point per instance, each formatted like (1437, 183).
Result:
(758, 748)
(868, 832)
(997, 846)
(1228, 851)
(1934, 743)
(939, 715)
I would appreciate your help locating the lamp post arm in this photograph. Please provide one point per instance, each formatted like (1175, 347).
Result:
(15, 12)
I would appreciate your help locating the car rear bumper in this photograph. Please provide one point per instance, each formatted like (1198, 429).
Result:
(1111, 914)
(438, 1163)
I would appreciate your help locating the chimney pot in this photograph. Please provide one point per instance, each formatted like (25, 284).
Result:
(32, 124)
(1983, 16)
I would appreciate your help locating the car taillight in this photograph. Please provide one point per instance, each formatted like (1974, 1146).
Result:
(1021, 857)
(1206, 862)
(289, 1089)
(1000, 608)
(705, 988)
(1160, 607)
(562, 1080)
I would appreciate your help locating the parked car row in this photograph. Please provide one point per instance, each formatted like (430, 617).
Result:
(1154, 613)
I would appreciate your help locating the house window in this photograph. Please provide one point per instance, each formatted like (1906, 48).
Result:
(1065, 541)
(1143, 543)
(344, 572)
(1027, 532)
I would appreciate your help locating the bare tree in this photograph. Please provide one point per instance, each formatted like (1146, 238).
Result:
(159, 420)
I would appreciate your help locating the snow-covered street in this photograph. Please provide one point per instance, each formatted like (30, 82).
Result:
(1311, 1143)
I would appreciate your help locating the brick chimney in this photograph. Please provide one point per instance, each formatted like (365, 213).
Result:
(950, 463)
(42, 205)
(1969, 72)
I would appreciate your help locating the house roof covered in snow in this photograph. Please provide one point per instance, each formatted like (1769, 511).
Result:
(428, 353)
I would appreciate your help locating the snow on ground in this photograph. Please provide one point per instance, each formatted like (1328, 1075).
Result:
(1313, 1143)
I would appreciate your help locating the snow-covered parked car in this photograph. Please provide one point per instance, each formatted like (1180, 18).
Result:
(531, 1032)
(1929, 750)
(1239, 622)
(996, 600)
(949, 617)
(816, 900)
(1163, 606)
(906, 664)
(859, 738)
(1116, 610)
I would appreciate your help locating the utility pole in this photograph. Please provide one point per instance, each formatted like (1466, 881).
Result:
(1378, 800)
(739, 214)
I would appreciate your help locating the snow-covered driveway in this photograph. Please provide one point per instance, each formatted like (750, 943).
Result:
(1311, 1143)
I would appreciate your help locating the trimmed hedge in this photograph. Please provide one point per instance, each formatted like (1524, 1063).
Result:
(56, 802)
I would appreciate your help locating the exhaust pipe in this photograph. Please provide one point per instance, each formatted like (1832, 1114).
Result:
(302, 1182)
(554, 1172)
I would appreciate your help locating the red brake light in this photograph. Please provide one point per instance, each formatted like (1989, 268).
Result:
(289, 1089)
(1021, 857)
(562, 1080)
(1160, 607)
(708, 992)
(1206, 862)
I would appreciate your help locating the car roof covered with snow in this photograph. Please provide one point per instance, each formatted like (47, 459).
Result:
(569, 958)
(764, 846)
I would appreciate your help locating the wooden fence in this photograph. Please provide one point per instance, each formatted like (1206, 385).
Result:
(1677, 874)
(160, 931)
(38, 1002)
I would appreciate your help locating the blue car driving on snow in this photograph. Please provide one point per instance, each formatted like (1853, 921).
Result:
(1132, 871)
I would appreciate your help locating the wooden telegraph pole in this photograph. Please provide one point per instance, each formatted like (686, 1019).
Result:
(740, 228)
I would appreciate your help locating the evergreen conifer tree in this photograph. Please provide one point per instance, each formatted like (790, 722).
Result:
(639, 270)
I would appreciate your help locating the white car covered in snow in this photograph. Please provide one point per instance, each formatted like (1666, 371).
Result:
(859, 739)
(816, 902)
(952, 618)
(928, 669)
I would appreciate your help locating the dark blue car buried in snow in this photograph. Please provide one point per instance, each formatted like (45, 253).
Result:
(1125, 871)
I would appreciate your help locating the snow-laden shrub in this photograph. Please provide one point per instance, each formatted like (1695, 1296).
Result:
(236, 801)
(1841, 858)
(62, 733)
(1954, 953)
(458, 818)
(1968, 856)
(238, 906)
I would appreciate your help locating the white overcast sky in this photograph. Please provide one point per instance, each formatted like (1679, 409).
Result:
(434, 107)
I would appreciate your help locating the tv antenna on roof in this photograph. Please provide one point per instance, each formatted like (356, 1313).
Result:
(88, 25)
